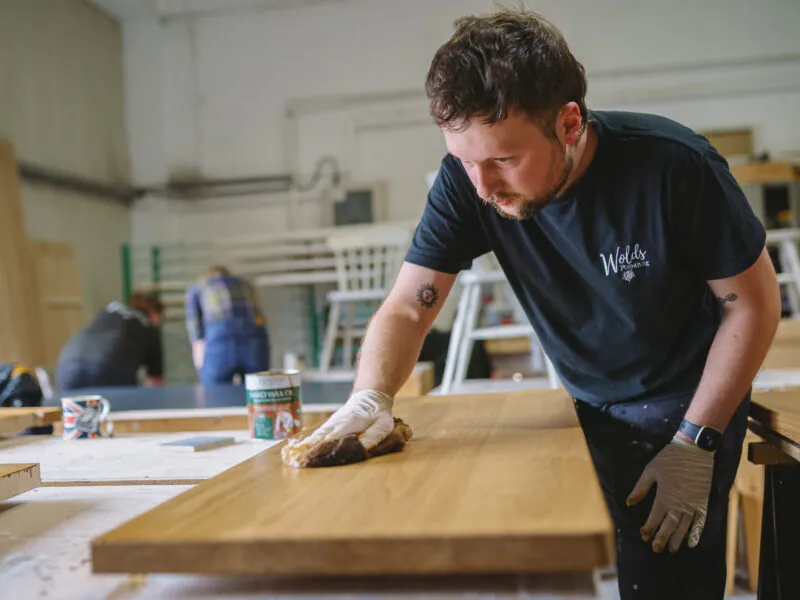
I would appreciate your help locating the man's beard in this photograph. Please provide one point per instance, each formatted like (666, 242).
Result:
(529, 206)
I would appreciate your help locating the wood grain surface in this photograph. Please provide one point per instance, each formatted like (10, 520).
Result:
(59, 291)
(17, 479)
(21, 339)
(14, 421)
(45, 554)
(489, 483)
(779, 410)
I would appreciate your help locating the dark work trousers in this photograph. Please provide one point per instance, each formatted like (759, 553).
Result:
(622, 439)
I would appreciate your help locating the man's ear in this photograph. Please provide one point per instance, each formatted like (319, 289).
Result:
(570, 122)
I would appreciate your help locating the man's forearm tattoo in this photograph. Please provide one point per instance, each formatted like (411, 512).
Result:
(728, 298)
(427, 295)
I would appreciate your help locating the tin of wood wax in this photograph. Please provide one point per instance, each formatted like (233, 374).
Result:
(274, 410)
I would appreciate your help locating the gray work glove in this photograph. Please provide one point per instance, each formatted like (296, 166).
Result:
(683, 473)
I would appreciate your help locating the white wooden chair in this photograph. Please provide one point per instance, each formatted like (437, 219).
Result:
(786, 240)
(367, 263)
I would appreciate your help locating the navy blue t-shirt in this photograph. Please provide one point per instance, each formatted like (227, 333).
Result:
(612, 274)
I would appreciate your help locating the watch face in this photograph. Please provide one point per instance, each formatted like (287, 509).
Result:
(708, 439)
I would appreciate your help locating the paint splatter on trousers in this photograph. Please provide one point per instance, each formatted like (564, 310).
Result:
(622, 439)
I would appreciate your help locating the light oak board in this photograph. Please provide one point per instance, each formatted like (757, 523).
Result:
(14, 421)
(489, 483)
(46, 547)
(17, 479)
(779, 410)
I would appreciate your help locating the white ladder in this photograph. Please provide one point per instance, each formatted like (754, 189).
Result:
(465, 333)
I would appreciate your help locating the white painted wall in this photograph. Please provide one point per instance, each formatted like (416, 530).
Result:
(61, 105)
(271, 91)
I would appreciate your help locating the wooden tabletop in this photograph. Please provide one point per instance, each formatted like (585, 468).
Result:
(45, 553)
(778, 410)
(499, 482)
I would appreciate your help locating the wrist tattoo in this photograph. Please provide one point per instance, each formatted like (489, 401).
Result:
(427, 295)
(728, 298)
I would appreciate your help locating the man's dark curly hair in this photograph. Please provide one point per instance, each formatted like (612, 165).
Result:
(507, 60)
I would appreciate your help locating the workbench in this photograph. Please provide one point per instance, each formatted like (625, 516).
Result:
(90, 487)
(316, 388)
(45, 553)
(191, 396)
(194, 407)
(775, 417)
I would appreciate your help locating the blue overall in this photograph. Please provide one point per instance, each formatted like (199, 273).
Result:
(235, 346)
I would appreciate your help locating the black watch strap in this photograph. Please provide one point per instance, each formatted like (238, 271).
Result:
(704, 437)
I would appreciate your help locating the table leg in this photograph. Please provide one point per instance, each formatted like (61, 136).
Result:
(779, 575)
(311, 298)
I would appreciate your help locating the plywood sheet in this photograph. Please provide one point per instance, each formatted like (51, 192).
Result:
(489, 483)
(44, 546)
(17, 479)
(19, 315)
(14, 421)
(60, 295)
(126, 459)
(780, 411)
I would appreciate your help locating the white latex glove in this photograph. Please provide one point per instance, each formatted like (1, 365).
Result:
(683, 474)
(368, 413)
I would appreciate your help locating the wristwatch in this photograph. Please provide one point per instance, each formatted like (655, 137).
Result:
(706, 438)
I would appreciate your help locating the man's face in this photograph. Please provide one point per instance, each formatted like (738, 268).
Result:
(514, 167)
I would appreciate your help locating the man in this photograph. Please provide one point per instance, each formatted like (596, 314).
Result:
(226, 327)
(639, 263)
(114, 346)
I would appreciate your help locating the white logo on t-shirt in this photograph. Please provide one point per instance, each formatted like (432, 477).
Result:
(625, 262)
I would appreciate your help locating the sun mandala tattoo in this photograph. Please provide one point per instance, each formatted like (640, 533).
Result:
(427, 295)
